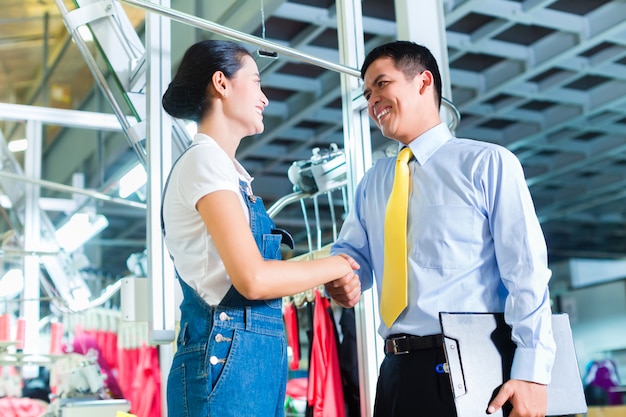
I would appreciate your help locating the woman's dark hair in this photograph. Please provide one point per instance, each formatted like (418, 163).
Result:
(186, 96)
(410, 58)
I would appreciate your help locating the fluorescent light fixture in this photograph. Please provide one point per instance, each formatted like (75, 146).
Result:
(5, 201)
(11, 283)
(79, 229)
(18, 145)
(133, 180)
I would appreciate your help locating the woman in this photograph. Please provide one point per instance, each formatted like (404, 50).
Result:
(231, 356)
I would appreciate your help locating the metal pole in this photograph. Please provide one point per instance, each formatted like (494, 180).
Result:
(70, 189)
(102, 83)
(60, 117)
(265, 44)
(159, 158)
(32, 238)
(240, 36)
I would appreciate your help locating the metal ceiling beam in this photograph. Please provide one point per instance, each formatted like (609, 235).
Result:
(60, 117)
(237, 35)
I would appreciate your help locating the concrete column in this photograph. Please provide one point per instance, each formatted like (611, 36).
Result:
(30, 308)
(357, 145)
(159, 162)
(423, 22)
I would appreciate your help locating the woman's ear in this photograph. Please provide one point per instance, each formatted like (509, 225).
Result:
(218, 84)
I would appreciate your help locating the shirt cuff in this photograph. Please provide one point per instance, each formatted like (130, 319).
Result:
(532, 365)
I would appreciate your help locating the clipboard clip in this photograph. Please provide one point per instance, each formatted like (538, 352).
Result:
(453, 358)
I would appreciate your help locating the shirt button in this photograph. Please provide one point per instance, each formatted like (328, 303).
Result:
(214, 360)
(224, 316)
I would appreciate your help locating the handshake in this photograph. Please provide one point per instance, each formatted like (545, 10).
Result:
(346, 290)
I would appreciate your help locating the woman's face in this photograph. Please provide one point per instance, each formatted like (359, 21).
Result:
(245, 101)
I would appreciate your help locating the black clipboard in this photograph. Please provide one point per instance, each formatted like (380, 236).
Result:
(479, 353)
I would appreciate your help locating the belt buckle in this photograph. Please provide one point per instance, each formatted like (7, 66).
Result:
(395, 346)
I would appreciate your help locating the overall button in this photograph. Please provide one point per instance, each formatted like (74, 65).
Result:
(214, 360)
(221, 338)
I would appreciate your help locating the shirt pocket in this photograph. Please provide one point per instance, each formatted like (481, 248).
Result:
(444, 237)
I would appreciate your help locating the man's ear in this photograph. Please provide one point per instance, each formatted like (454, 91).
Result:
(427, 80)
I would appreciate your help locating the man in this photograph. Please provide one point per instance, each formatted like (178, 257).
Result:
(474, 244)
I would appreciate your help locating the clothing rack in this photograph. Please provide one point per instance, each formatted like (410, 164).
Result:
(10, 356)
(309, 295)
(132, 335)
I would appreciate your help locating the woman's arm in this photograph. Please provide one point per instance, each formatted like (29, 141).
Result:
(252, 276)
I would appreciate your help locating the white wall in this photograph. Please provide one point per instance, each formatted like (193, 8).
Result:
(598, 318)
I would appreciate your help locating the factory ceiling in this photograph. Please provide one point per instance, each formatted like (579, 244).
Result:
(544, 78)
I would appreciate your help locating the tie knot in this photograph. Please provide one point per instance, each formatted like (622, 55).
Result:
(405, 154)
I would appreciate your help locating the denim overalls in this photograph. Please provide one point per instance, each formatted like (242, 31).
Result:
(231, 359)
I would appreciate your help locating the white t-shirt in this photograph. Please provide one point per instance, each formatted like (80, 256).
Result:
(201, 170)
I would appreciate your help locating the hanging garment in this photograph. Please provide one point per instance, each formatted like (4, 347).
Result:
(128, 359)
(146, 387)
(325, 393)
(348, 363)
(293, 340)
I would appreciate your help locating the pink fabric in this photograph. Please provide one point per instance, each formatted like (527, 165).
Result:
(297, 387)
(325, 392)
(20, 407)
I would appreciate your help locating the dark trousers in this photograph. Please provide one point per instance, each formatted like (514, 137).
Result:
(410, 386)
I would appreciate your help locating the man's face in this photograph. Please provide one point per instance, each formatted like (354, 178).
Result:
(393, 101)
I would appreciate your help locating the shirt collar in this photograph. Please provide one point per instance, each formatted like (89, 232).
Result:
(426, 144)
(241, 171)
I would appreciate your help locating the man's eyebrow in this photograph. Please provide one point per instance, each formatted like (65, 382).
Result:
(374, 81)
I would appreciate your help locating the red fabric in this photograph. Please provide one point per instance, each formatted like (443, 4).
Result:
(111, 349)
(325, 392)
(293, 339)
(127, 361)
(122, 371)
(20, 407)
(146, 386)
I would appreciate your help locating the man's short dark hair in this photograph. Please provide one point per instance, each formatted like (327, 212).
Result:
(410, 58)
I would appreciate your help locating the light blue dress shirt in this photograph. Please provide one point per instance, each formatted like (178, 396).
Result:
(474, 243)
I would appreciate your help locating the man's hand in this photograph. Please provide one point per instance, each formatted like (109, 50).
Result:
(529, 399)
(346, 291)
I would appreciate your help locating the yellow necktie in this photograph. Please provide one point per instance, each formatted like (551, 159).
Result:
(394, 291)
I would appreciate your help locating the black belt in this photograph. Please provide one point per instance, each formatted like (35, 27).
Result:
(401, 344)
